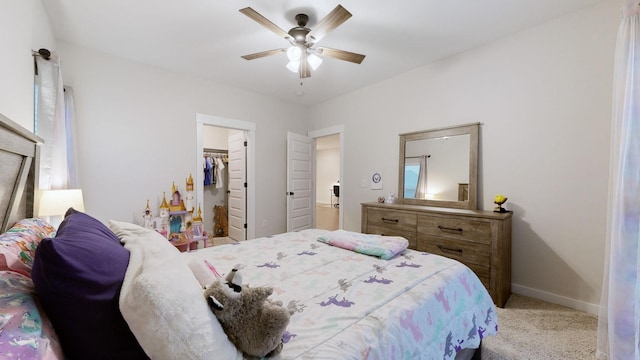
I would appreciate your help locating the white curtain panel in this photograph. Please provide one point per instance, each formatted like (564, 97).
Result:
(72, 143)
(421, 189)
(619, 320)
(52, 125)
(45, 111)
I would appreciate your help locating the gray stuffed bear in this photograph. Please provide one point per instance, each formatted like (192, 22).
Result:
(252, 322)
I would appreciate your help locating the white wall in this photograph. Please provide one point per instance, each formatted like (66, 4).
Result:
(543, 97)
(137, 134)
(24, 27)
(214, 137)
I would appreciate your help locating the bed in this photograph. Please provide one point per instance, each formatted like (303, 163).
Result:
(117, 290)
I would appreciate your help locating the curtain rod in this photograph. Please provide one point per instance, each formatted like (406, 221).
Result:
(46, 54)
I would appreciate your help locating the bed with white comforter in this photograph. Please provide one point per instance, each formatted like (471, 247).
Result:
(349, 305)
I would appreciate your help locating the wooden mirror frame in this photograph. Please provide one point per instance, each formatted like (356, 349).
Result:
(470, 129)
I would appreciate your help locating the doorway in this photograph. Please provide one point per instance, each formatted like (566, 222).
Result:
(328, 182)
(301, 178)
(224, 188)
(328, 172)
(215, 133)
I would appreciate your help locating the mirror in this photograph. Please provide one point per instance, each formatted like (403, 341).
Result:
(439, 167)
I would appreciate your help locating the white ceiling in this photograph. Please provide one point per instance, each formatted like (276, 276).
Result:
(205, 38)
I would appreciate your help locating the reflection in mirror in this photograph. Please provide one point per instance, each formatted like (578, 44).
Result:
(435, 168)
(439, 167)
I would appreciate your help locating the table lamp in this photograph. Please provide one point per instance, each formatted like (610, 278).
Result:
(55, 203)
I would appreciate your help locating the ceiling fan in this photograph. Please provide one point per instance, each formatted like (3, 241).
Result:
(303, 57)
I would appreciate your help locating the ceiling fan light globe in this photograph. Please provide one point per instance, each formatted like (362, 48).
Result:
(293, 65)
(294, 53)
(314, 61)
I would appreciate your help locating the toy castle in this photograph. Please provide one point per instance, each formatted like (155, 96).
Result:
(176, 219)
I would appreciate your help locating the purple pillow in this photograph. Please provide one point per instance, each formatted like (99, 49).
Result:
(78, 276)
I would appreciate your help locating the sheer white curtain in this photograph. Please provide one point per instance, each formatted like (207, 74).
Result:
(72, 145)
(421, 189)
(54, 122)
(619, 320)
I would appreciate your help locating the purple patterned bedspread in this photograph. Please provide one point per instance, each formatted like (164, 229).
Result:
(348, 305)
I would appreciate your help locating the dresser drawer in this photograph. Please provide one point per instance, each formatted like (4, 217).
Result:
(475, 230)
(391, 219)
(391, 231)
(463, 251)
(475, 256)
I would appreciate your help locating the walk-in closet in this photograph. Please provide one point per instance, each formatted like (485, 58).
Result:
(224, 191)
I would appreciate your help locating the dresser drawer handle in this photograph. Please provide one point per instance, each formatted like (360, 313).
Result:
(444, 228)
(442, 248)
(390, 220)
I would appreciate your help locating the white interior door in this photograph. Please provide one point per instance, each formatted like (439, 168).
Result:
(237, 187)
(300, 190)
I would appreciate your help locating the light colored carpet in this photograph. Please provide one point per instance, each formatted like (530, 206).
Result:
(534, 329)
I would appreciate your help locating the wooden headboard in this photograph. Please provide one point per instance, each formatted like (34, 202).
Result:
(19, 170)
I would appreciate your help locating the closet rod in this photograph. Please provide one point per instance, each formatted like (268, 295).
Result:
(215, 150)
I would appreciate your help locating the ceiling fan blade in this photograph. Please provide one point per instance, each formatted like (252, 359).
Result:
(341, 54)
(255, 16)
(335, 18)
(263, 54)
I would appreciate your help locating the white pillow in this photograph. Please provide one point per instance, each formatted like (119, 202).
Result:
(163, 303)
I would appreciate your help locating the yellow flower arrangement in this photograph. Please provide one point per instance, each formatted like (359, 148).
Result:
(499, 200)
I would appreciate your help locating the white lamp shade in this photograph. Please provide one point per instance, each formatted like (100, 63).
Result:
(57, 202)
(293, 65)
(314, 61)
(294, 53)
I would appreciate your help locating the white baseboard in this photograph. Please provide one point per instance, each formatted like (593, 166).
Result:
(556, 299)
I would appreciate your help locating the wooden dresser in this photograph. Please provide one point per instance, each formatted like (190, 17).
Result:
(479, 239)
